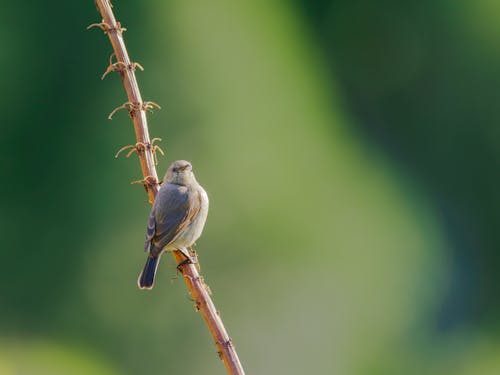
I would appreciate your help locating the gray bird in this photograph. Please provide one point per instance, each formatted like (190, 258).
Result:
(176, 220)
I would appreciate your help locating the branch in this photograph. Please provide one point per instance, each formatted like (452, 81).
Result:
(146, 152)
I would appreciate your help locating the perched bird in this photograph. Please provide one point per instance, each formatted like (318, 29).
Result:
(176, 220)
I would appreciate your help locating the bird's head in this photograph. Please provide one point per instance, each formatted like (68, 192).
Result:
(180, 172)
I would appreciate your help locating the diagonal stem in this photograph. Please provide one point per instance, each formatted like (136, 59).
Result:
(137, 112)
(197, 287)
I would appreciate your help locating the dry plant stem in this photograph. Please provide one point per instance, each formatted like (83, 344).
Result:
(137, 110)
(201, 294)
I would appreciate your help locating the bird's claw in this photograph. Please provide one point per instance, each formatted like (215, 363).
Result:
(190, 260)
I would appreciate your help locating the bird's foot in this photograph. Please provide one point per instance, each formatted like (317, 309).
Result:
(191, 258)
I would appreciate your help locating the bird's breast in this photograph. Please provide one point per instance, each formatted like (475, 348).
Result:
(194, 230)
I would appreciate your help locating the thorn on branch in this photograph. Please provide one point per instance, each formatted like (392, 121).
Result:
(106, 28)
(136, 65)
(140, 147)
(117, 66)
(155, 140)
(133, 107)
(148, 106)
(132, 149)
(111, 58)
(120, 66)
(155, 148)
(102, 25)
(125, 105)
(148, 181)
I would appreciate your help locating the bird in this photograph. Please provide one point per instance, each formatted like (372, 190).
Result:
(176, 220)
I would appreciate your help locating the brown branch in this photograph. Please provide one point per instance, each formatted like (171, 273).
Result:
(145, 150)
(135, 105)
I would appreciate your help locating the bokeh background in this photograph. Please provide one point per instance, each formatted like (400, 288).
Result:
(350, 152)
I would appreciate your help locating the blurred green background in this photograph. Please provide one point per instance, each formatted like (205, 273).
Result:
(350, 152)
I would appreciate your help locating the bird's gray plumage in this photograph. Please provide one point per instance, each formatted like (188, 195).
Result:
(174, 211)
(177, 217)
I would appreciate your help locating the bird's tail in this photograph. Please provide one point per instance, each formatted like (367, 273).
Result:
(147, 276)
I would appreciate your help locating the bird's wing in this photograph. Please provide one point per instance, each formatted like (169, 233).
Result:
(150, 230)
(176, 209)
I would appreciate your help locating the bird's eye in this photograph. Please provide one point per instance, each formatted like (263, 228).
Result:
(174, 170)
